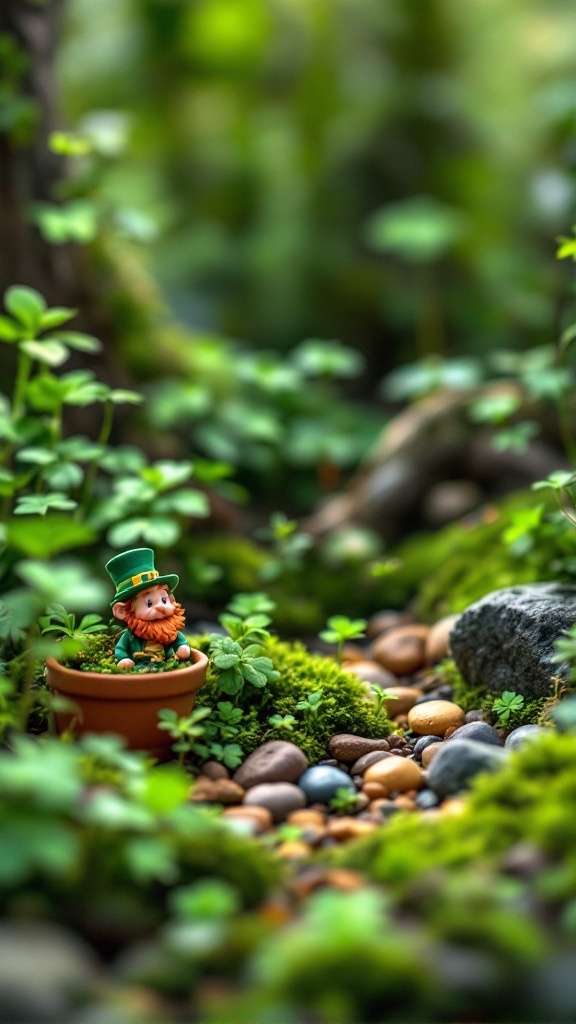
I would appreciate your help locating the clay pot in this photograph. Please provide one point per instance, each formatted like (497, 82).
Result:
(127, 704)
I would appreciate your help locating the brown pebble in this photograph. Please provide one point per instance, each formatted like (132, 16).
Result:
(364, 762)
(352, 653)
(402, 698)
(435, 716)
(373, 673)
(293, 849)
(216, 791)
(214, 770)
(362, 802)
(305, 817)
(401, 721)
(347, 828)
(400, 752)
(260, 815)
(405, 803)
(395, 773)
(429, 753)
(348, 748)
(437, 646)
(383, 622)
(395, 741)
(402, 650)
(374, 790)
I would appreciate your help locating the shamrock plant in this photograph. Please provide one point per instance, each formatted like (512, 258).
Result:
(238, 657)
(340, 629)
(506, 705)
(186, 731)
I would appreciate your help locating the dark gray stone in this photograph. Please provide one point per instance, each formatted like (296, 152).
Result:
(506, 640)
(458, 762)
(517, 738)
(480, 731)
(322, 783)
(280, 798)
(422, 743)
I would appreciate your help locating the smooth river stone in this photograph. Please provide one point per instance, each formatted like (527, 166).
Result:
(396, 774)
(435, 717)
(276, 761)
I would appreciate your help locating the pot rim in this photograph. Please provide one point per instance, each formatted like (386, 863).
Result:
(124, 686)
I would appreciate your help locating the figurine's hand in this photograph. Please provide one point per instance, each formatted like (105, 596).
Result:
(183, 652)
(126, 663)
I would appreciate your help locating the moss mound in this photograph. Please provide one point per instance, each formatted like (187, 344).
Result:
(345, 706)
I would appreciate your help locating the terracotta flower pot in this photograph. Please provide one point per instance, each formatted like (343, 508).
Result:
(127, 704)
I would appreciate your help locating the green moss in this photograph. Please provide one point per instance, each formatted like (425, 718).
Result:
(345, 706)
(97, 655)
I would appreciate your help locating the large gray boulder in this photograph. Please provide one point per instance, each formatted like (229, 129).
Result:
(506, 640)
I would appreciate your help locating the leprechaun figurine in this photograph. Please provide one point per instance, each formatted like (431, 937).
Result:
(145, 603)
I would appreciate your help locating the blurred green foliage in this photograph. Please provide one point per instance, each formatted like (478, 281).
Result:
(359, 170)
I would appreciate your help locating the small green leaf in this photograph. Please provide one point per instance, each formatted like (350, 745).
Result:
(55, 317)
(9, 329)
(38, 456)
(50, 352)
(25, 305)
(79, 341)
(39, 504)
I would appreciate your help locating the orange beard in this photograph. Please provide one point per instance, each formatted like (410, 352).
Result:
(163, 631)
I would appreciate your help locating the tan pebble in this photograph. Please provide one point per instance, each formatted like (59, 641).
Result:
(345, 879)
(453, 807)
(429, 753)
(405, 803)
(402, 699)
(293, 849)
(450, 730)
(352, 652)
(412, 793)
(362, 802)
(383, 622)
(435, 716)
(306, 817)
(401, 721)
(259, 814)
(371, 672)
(402, 650)
(374, 790)
(437, 647)
(395, 773)
(346, 828)
(216, 791)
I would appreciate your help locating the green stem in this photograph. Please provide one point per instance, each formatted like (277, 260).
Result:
(22, 377)
(89, 480)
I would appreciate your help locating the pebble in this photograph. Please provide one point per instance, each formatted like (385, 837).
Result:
(214, 770)
(395, 773)
(480, 731)
(216, 791)
(384, 809)
(475, 715)
(276, 761)
(424, 742)
(426, 799)
(310, 879)
(517, 738)
(459, 761)
(437, 641)
(402, 699)
(346, 828)
(364, 762)
(430, 752)
(371, 672)
(280, 798)
(260, 816)
(374, 790)
(306, 817)
(383, 622)
(402, 650)
(293, 849)
(436, 716)
(348, 748)
(405, 803)
(322, 782)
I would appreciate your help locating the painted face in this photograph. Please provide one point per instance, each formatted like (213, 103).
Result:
(153, 603)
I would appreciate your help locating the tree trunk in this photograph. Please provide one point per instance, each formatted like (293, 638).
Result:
(29, 171)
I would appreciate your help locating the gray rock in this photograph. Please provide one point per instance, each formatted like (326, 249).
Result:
(476, 715)
(459, 761)
(517, 738)
(277, 761)
(348, 748)
(506, 640)
(364, 762)
(280, 798)
(479, 731)
(321, 783)
(422, 743)
(45, 971)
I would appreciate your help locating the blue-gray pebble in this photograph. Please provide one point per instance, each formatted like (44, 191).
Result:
(517, 738)
(321, 782)
(427, 799)
(424, 742)
(457, 762)
(479, 731)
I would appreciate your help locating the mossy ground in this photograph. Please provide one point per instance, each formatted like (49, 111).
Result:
(97, 655)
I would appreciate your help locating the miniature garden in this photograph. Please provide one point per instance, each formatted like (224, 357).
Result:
(287, 512)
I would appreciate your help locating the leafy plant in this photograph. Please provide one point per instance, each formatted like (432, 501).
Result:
(340, 629)
(237, 665)
(285, 723)
(58, 620)
(186, 731)
(344, 801)
(381, 696)
(222, 725)
(288, 546)
(311, 705)
(507, 705)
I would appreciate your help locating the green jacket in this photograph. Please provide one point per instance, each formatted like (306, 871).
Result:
(131, 646)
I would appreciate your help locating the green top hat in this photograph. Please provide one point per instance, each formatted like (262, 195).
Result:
(133, 571)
